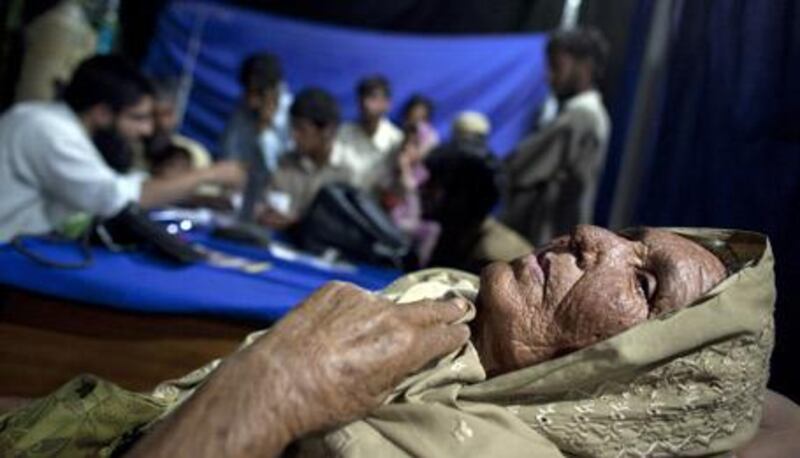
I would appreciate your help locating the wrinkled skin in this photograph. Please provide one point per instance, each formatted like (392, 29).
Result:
(584, 288)
(333, 359)
(357, 347)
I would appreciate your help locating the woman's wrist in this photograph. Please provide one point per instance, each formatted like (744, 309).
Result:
(257, 377)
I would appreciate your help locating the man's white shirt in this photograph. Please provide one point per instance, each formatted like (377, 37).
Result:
(366, 156)
(50, 170)
(591, 101)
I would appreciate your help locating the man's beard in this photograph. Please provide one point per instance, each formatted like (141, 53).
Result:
(116, 151)
(569, 89)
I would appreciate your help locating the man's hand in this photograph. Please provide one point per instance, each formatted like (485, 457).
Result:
(347, 349)
(164, 191)
(273, 219)
(227, 173)
(333, 359)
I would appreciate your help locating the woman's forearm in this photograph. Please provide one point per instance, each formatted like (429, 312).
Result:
(332, 360)
(237, 413)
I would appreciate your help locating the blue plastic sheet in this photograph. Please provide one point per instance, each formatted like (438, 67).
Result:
(140, 282)
(501, 76)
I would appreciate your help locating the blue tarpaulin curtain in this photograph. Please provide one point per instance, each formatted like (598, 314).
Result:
(727, 149)
(502, 75)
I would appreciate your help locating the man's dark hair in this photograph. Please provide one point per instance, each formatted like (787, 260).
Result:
(109, 80)
(317, 105)
(371, 84)
(581, 43)
(261, 72)
(418, 99)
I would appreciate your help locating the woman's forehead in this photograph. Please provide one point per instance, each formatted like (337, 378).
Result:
(662, 240)
(662, 244)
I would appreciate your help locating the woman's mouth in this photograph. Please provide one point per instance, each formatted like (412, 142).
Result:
(532, 263)
(544, 263)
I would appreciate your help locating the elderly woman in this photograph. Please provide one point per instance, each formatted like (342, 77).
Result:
(651, 342)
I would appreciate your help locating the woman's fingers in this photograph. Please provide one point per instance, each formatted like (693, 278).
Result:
(430, 313)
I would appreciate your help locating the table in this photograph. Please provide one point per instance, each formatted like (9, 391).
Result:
(137, 320)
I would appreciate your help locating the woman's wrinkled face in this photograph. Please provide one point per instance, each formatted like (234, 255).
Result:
(583, 288)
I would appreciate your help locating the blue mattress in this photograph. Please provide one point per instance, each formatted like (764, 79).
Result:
(141, 282)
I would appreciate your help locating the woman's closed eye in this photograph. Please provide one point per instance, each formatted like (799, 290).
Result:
(577, 249)
(647, 284)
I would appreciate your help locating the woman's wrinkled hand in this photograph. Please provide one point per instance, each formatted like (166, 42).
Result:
(333, 359)
(344, 349)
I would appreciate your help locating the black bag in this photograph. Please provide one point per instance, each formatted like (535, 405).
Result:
(129, 229)
(348, 220)
(132, 227)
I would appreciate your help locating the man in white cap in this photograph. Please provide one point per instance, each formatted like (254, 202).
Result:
(471, 128)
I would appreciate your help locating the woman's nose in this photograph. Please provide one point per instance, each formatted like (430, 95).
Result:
(557, 257)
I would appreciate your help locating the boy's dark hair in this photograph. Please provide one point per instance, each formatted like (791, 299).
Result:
(108, 79)
(418, 99)
(371, 84)
(581, 43)
(158, 157)
(470, 182)
(317, 105)
(261, 72)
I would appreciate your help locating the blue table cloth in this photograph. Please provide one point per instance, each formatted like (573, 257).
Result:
(141, 282)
